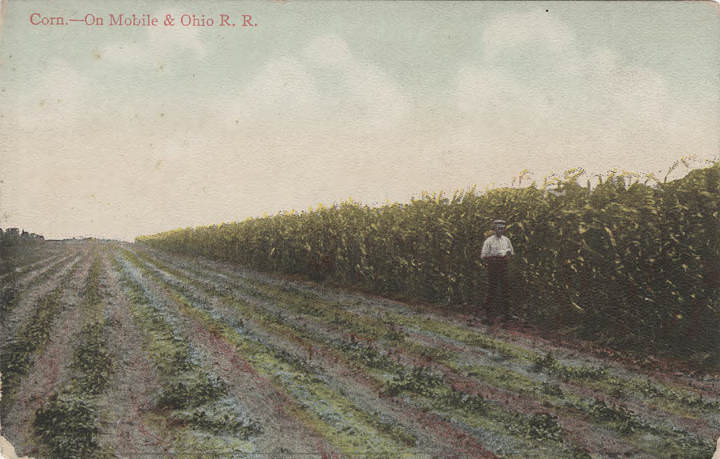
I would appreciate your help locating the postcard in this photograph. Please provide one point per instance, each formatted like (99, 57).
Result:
(359, 229)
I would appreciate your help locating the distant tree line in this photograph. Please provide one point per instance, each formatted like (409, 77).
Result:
(11, 235)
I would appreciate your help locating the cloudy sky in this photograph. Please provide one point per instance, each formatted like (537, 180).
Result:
(120, 131)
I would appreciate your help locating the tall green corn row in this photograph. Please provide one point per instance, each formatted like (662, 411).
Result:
(624, 262)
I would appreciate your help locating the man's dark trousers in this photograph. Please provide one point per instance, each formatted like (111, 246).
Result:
(497, 279)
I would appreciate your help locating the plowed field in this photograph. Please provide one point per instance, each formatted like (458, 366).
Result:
(117, 350)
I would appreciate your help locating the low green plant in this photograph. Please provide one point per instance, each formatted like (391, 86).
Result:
(550, 365)
(551, 389)
(92, 359)
(191, 389)
(475, 403)
(368, 355)
(67, 424)
(15, 360)
(544, 426)
(419, 380)
(623, 420)
(8, 296)
(219, 418)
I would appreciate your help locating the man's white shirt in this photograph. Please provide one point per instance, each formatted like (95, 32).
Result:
(495, 246)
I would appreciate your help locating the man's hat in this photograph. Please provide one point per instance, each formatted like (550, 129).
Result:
(499, 222)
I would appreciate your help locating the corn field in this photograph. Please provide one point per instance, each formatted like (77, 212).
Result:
(629, 260)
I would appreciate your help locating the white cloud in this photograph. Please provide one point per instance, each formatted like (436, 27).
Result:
(282, 90)
(512, 30)
(365, 94)
(325, 85)
(375, 95)
(585, 108)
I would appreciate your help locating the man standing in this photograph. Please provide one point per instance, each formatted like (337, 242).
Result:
(496, 252)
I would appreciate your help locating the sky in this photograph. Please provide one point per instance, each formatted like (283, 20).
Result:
(118, 131)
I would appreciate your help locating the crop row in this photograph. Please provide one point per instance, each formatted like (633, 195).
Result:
(377, 322)
(17, 356)
(426, 390)
(68, 422)
(385, 331)
(339, 419)
(17, 255)
(193, 402)
(11, 290)
(31, 263)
